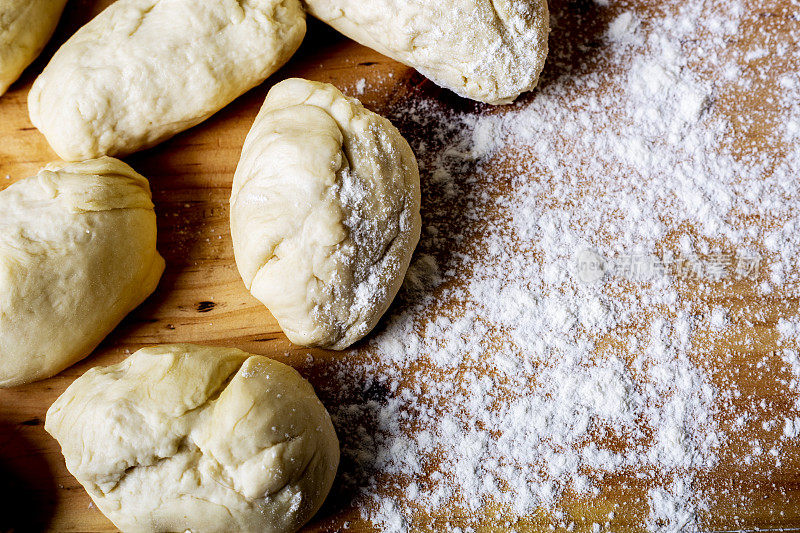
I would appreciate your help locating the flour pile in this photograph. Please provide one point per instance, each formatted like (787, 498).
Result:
(505, 379)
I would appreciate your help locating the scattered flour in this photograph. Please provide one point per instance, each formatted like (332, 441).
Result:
(502, 381)
(671, 509)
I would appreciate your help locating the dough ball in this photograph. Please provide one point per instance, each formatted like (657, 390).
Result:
(77, 253)
(324, 213)
(207, 439)
(487, 50)
(25, 27)
(144, 70)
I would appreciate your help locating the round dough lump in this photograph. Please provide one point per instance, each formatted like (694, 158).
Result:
(144, 70)
(77, 253)
(25, 27)
(325, 213)
(487, 50)
(207, 439)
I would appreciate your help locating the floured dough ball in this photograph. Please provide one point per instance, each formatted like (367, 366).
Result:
(77, 253)
(205, 439)
(324, 213)
(487, 50)
(144, 70)
(25, 27)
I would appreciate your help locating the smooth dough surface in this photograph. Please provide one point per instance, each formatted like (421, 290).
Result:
(486, 50)
(25, 27)
(144, 70)
(77, 254)
(207, 439)
(325, 213)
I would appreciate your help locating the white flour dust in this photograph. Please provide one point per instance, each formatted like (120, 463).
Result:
(504, 380)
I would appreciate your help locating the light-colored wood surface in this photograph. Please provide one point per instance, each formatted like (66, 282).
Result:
(201, 299)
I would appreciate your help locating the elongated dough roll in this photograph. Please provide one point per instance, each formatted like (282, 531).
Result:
(325, 213)
(144, 70)
(25, 27)
(77, 254)
(206, 439)
(487, 50)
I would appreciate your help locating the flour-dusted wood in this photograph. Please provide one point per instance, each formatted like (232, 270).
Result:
(202, 299)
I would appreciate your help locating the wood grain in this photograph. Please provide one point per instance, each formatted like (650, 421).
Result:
(201, 299)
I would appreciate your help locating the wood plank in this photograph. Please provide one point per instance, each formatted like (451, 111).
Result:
(201, 299)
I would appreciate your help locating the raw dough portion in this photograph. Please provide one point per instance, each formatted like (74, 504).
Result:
(144, 70)
(25, 27)
(77, 254)
(324, 213)
(486, 50)
(207, 439)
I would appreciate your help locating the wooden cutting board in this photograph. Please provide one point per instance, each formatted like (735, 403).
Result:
(201, 299)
